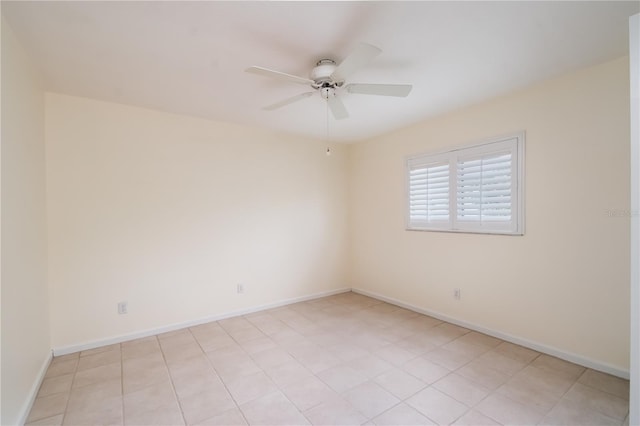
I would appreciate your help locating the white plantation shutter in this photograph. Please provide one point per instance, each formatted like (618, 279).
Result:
(484, 188)
(429, 194)
(474, 189)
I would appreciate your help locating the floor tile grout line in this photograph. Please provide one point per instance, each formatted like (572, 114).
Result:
(122, 383)
(544, 413)
(220, 376)
(75, 371)
(431, 385)
(280, 388)
(371, 379)
(173, 387)
(65, 405)
(489, 394)
(595, 388)
(560, 399)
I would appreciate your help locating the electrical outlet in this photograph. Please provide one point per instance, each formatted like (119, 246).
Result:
(240, 288)
(456, 293)
(122, 308)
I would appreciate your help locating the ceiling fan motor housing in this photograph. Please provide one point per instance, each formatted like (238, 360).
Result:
(321, 74)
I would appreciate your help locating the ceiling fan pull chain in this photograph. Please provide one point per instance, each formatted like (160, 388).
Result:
(327, 116)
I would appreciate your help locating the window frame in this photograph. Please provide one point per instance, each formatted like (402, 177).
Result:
(513, 143)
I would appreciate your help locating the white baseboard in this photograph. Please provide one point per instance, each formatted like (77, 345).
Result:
(549, 350)
(63, 350)
(35, 387)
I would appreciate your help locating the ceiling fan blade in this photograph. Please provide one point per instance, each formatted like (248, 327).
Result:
(399, 90)
(337, 108)
(278, 75)
(288, 101)
(360, 57)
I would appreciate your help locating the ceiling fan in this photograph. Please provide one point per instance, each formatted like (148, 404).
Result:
(327, 76)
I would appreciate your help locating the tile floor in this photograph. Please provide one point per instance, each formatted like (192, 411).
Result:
(340, 360)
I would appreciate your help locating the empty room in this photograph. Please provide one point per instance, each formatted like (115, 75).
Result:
(326, 213)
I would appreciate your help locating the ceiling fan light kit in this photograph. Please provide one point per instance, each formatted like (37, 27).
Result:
(327, 76)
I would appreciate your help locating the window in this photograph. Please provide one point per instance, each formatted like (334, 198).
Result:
(477, 188)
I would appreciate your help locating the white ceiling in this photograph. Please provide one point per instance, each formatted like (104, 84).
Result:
(189, 57)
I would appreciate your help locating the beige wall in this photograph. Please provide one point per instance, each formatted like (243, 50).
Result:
(25, 330)
(565, 283)
(169, 213)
